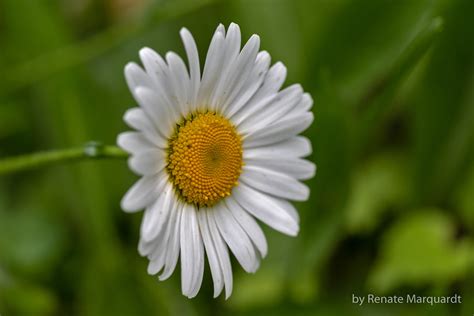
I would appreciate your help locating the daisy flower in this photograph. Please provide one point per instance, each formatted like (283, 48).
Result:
(215, 152)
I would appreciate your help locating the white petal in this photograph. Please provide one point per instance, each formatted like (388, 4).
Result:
(295, 115)
(157, 215)
(137, 119)
(180, 82)
(193, 58)
(148, 162)
(272, 82)
(192, 252)
(143, 193)
(239, 72)
(155, 266)
(197, 281)
(294, 167)
(232, 42)
(187, 251)
(136, 77)
(158, 249)
(231, 51)
(266, 209)
(153, 105)
(158, 71)
(134, 142)
(296, 147)
(212, 66)
(304, 105)
(253, 83)
(172, 252)
(274, 183)
(306, 102)
(249, 224)
(282, 104)
(222, 253)
(220, 29)
(251, 109)
(211, 252)
(279, 131)
(149, 249)
(236, 238)
(155, 68)
(288, 208)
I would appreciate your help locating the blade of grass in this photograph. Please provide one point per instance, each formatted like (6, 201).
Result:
(378, 100)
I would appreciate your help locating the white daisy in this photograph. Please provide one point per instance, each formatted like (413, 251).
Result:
(215, 152)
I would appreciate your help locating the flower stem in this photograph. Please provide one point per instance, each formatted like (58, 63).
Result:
(91, 150)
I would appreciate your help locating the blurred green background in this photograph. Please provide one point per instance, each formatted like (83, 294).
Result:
(392, 205)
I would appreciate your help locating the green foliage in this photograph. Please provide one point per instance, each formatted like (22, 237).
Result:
(420, 249)
(30, 242)
(464, 198)
(381, 185)
(392, 204)
(266, 288)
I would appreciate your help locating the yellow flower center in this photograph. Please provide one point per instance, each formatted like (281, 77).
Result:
(205, 159)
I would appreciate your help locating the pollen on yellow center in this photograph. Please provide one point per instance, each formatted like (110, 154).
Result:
(205, 159)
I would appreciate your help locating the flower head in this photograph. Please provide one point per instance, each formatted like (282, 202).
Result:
(215, 152)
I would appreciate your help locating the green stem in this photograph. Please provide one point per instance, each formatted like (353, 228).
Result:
(91, 150)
